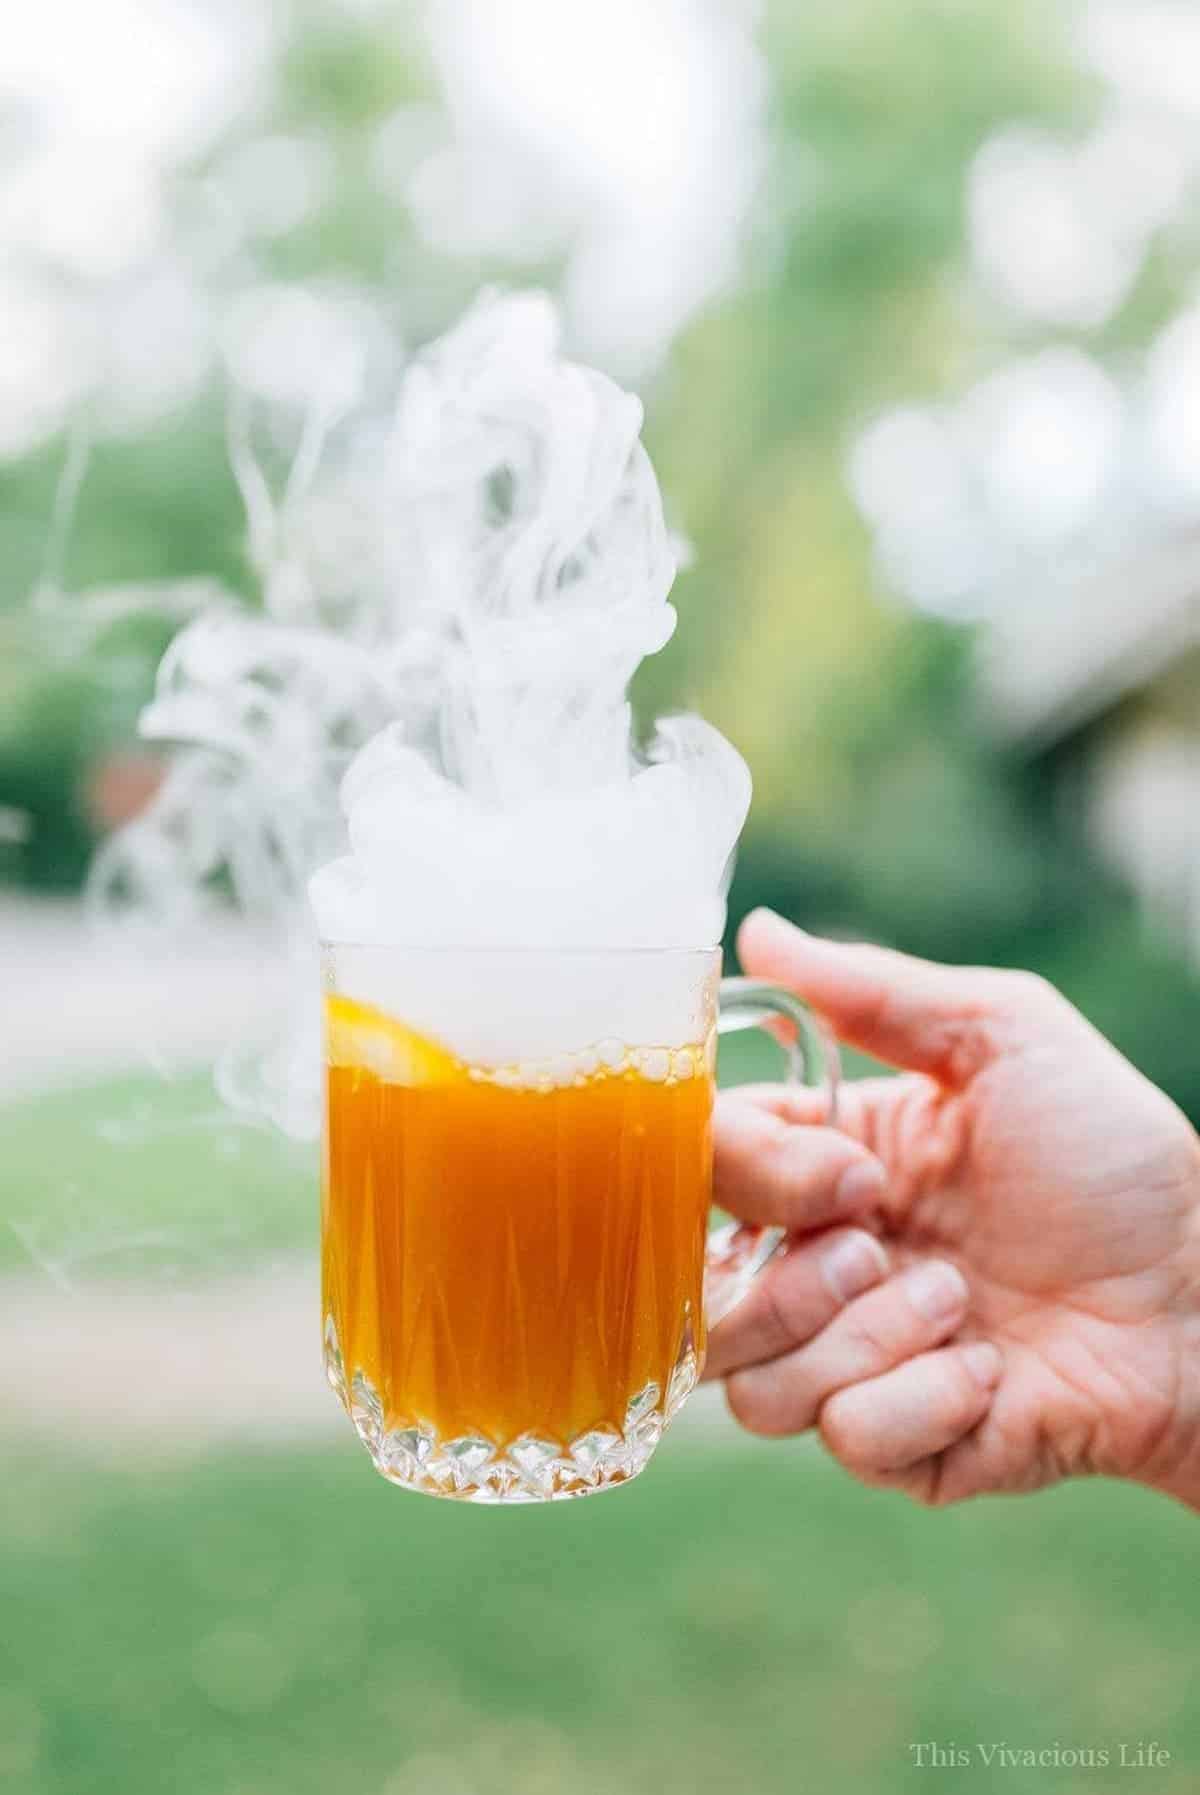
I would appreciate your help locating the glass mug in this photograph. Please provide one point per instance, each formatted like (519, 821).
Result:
(517, 1275)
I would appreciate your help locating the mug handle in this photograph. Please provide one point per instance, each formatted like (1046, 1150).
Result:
(737, 1252)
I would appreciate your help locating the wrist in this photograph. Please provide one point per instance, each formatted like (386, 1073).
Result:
(1180, 1473)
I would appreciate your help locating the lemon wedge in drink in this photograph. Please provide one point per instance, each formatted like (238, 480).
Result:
(359, 1035)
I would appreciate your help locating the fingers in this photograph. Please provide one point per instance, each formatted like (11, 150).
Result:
(872, 1111)
(894, 1422)
(875, 1333)
(908, 1012)
(768, 1170)
(795, 1297)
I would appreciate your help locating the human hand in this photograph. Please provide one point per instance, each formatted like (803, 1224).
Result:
(1026, 1305)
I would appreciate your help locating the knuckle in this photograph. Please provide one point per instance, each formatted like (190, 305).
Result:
(795, 1154)
(803, 1163)
(872, 1014)
(774, 1399)
(783, 1325)
(752, 1408)
(746, 1144)
(1029, 991)
(772, 1150)
(754, 1131)
(965, 1399)
(841, 1428)
(867, 1346)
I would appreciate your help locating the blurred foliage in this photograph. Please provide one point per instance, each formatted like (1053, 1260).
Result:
(742, 1617)
(881, 807)
(63, 706)
(151, 1178)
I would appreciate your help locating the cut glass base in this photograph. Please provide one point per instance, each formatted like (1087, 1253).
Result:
(472, 1469)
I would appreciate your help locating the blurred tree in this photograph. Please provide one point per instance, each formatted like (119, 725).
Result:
(875, 110)
(879, 804)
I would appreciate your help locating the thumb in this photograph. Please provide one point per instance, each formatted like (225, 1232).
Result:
(907, 1012)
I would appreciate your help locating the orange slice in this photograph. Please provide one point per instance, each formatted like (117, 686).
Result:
(357, 1034)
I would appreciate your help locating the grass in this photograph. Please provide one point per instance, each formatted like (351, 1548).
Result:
(738, 1619)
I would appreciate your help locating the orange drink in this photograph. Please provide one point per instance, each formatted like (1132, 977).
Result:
(513, 1264)
(514, 1251)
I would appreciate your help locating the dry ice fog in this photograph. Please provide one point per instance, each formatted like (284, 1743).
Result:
(421, 740)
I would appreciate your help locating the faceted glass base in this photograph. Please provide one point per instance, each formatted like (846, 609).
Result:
(529, 1469)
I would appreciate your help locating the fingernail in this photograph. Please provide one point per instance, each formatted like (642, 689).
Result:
(984, 1363)
(936, 1291)
(852, 1265)
(860, 1185)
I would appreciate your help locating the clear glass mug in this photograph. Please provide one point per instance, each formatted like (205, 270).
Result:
(517, 1273)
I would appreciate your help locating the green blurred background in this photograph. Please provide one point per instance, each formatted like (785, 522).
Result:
(920, 392)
